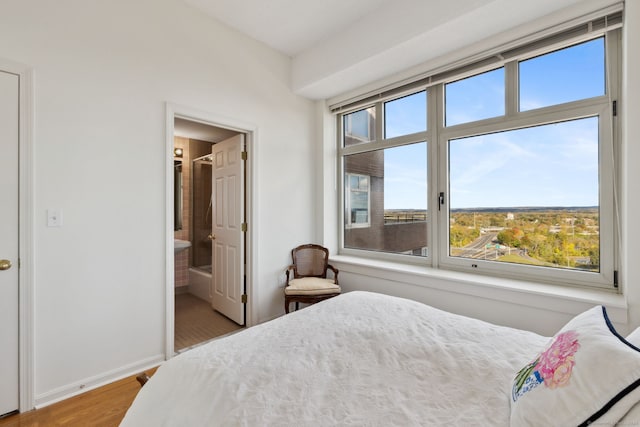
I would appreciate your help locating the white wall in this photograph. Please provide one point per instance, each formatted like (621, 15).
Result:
(103, 72)
(542, 309)
(630, 155)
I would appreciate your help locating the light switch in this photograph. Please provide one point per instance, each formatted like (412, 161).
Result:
(54, 217)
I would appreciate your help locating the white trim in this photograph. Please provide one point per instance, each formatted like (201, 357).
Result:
(25, 233)
(251, 190)
(91, 383)
(561, 299)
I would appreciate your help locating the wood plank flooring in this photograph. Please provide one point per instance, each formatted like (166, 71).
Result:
(196, 322)
(102, 407)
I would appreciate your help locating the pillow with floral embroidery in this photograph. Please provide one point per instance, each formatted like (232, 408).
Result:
(587, 373)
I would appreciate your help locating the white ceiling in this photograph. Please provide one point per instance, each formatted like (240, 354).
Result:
(201, 131)
(338, 45)
(289, 26)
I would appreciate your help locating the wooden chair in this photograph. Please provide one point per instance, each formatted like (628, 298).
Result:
(309, 283)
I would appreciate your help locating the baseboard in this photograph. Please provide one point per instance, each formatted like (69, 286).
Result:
(91, 383)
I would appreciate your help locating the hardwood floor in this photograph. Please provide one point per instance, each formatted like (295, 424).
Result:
(102, 407)
(106, 406)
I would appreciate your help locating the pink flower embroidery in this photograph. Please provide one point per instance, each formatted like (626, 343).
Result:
(556, 362)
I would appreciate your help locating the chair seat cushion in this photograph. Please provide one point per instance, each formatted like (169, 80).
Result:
(311, 286)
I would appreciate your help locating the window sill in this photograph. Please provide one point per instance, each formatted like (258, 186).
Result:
(563, 299)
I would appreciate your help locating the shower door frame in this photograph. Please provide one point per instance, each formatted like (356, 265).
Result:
(172, 112)
(193, 210)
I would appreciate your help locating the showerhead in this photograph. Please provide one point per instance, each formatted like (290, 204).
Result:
(207, 158)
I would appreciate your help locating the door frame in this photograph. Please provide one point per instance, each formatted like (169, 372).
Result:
(25, 233)
(251, 132)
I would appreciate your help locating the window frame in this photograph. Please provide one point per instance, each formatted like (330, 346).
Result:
(438, 136)
(363, 139)
(382, 144)
(349, 223)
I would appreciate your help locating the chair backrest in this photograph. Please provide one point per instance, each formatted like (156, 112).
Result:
(310, 261)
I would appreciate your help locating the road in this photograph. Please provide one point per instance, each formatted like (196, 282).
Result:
(477, 248)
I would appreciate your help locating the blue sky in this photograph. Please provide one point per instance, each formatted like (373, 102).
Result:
(551, 165)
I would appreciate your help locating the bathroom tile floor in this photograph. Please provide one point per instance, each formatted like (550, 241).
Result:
(197, 322)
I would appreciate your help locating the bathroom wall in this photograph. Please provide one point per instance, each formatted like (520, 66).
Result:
(182, 258)
(191, 149)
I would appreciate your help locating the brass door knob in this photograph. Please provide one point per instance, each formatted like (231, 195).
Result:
(5, 264)
(211, 237)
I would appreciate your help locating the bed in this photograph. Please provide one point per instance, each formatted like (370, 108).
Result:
(366, 359)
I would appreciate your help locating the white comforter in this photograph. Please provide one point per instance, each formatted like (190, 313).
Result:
(360, 359)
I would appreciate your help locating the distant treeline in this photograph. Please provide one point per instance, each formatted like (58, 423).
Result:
(560, 237)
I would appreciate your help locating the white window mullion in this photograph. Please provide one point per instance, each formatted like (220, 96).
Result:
(608, 193)
(511, 94)
(379, 121)
(434, 123)
(613, 76)
(441, 181)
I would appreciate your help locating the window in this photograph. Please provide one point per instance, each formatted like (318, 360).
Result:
(391, 201)
(523, 156)
(359, 126)
(357, 200)
(475, 98)
(527, 196)
(578, 70)
(405, 115)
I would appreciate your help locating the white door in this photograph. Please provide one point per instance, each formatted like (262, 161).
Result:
(9, 93)
(228, 239)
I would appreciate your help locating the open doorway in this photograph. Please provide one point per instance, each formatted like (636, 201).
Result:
(208, 295)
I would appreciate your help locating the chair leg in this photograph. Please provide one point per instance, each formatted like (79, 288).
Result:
(297, 306)
(286, 306)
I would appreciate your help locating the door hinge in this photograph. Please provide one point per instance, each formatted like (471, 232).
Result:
(615, 108)
(244, 155)
(244, 227)
(244, 298)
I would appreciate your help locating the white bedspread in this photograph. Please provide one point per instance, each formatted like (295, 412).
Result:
(360, 359)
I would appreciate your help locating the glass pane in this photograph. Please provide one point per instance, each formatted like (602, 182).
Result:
(201, 215)
(354, 181)
(397, 220)
(360, 127)
(363, 183)
(359, 200)
(570, 74)
(405, 115)
(528, 196)
(475, 98)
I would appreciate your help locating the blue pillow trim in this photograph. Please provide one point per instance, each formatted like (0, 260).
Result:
(626, 390)
(614, 332)
(611, 403)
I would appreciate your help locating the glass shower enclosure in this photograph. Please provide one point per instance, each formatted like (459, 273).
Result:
(202, 213)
